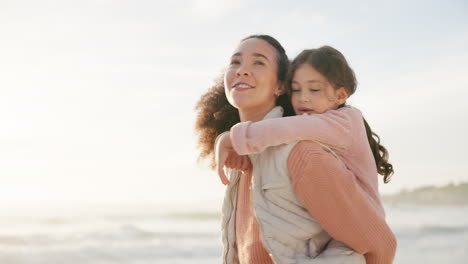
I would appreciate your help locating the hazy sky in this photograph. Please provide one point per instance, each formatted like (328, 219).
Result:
(97, 97)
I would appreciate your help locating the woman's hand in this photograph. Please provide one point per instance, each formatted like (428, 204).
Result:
(226, 156)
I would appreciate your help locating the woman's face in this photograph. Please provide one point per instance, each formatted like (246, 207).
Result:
(312, 93)
(251, 79)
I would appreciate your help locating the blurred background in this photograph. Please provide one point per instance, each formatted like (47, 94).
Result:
(98, 158)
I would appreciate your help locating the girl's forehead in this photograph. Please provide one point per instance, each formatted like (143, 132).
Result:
(307, 71)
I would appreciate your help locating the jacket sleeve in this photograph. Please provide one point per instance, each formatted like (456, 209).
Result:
(332, 195)
(331, 128)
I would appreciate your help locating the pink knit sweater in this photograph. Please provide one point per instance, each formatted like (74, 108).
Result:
(342, 130)
(332, 195)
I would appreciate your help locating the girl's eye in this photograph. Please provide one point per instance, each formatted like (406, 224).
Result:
(295, 90)
(259, 63)
(235, 62)
(314, 90)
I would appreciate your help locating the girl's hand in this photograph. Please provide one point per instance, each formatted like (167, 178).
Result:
(226, 156)
(222, 149)
(238, 162)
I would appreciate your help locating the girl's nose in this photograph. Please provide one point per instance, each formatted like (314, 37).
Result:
(304, 97)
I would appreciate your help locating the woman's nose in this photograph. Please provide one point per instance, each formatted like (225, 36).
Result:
(243, 70)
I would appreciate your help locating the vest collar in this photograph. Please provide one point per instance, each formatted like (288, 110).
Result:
(276, 112)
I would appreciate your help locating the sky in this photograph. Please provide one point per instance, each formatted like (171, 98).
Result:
(97, 97)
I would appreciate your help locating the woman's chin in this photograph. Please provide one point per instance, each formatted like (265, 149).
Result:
(246, 101)
(242, 102)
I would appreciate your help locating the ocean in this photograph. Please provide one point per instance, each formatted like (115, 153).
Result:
(150, 235)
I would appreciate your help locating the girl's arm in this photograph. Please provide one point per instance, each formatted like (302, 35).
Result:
(332, 195)
(332, 128)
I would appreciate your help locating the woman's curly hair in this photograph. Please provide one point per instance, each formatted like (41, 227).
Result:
(216, 115)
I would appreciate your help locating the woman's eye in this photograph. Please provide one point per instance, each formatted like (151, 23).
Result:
(295, 90)
(314, 90)
(235, 62)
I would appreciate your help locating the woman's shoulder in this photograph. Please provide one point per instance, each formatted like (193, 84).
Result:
(304, 147)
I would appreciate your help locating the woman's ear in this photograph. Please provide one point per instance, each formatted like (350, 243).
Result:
(341, 95)
(281, 90)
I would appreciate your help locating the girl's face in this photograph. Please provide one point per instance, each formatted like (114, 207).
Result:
(312, 93)
(251, 79)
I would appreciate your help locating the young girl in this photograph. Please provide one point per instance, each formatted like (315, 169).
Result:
(321, 82)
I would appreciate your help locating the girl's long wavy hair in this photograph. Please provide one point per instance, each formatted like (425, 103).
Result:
(216, 115)
(332, 64)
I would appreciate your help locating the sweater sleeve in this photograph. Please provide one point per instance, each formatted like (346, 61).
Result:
(331, 128)
(332, 195)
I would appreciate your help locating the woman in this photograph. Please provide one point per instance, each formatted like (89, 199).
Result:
(267, 215)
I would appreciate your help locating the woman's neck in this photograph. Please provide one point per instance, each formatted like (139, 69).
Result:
(255, 114)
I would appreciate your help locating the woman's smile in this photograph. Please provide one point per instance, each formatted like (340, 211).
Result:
(241, 86)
